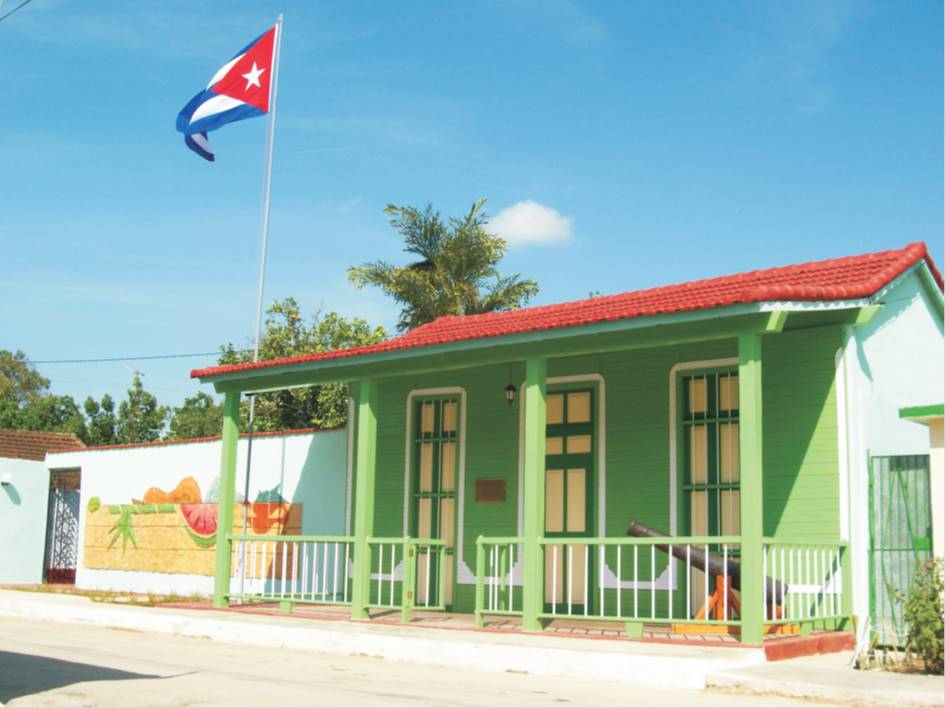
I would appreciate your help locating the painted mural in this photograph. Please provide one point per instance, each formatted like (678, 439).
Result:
(176, 531)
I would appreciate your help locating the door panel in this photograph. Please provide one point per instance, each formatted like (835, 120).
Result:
(554, 501)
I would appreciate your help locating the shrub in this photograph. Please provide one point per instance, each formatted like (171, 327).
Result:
(924, 615)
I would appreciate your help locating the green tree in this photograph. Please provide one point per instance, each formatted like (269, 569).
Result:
(20, 382)
(48, 413)
(457, 273)
(199, 417)
(101, 420)
(140, 418)
(287, 334)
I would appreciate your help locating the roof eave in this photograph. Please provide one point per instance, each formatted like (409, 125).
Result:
(754, 315)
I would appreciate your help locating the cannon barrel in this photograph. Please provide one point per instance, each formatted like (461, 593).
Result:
(774, 589)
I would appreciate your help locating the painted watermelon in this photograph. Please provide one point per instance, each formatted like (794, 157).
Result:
(201, 523)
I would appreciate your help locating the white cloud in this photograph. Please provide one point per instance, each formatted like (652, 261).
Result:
(529, 222)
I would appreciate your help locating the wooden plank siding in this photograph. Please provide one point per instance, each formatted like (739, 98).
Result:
(801, 483)
(800, 440)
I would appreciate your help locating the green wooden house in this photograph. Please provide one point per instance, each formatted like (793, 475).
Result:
(498, 459)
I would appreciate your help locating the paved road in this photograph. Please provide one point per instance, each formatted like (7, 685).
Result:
(52, 664)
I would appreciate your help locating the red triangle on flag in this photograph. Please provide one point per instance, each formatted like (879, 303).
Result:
(248, 79)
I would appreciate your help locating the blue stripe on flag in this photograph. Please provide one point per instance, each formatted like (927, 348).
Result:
(206, 154)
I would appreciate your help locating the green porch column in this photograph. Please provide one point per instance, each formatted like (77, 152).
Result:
(231, 436)
(533, 493)
(364, 496)
(752, 491)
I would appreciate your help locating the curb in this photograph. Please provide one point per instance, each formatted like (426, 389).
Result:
(629, 662)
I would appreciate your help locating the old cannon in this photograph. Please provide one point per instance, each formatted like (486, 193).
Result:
(718, 567)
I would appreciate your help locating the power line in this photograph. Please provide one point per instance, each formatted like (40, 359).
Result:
(22, 4)
(122, 358)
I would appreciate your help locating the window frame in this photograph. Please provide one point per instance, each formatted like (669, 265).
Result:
(713, 419)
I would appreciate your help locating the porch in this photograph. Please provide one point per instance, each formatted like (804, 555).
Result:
(466, 501)
(312, 577)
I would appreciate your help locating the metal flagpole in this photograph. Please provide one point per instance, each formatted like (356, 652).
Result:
(263, 243)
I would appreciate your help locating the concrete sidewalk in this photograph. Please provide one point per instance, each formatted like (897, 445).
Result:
(630, 662)
(828, 677)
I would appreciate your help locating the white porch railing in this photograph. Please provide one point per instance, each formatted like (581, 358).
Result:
(419, 565)
(302, 569)
(500, 562)
(637, 579)
(808, 581)
(677, 580)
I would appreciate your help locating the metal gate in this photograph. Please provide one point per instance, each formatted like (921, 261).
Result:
(62, 527)
(900, 537)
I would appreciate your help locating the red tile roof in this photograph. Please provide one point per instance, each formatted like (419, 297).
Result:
(188, 441)
(33, 445)
(847, 278)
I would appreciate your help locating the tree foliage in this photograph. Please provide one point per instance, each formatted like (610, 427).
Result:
(26, 404)
(287, 334)
(457, 273)
(199, 417)
(20, 382)
(140, 418)
(57, 414)
(100, 420)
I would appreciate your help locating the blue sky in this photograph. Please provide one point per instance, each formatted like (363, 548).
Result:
(624, 145)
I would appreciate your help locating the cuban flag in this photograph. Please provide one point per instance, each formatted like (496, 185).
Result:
(239, 90)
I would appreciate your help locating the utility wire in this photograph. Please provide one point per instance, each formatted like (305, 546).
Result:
(122, 358)
(22, 4)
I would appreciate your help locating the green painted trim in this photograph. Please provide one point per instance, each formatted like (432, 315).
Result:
(638, 541)
(937, 297)
(409, 582)
(289, 539)
(575, 341)
(920, 413)
(286, 606)
(776, 322)
(634, 630)
(866, 314)
(297, 600)
(572, 341)
(480, 599)
(364, 496)
(533, 493)
(231, 433)
(752, 487)
(788, 541)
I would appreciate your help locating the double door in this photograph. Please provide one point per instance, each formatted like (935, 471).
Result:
(569, 474)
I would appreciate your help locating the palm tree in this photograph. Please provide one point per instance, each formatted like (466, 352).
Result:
(457, 272)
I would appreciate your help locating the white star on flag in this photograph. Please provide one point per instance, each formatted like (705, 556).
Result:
(252, 78)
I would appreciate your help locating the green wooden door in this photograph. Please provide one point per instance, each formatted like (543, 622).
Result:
(900, 537)
(435, 465)
(569, 475)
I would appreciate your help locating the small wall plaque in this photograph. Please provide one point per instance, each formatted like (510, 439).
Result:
(490, 490)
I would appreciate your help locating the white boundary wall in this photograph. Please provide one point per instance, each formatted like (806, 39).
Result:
(894, 361)
(310, 467)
